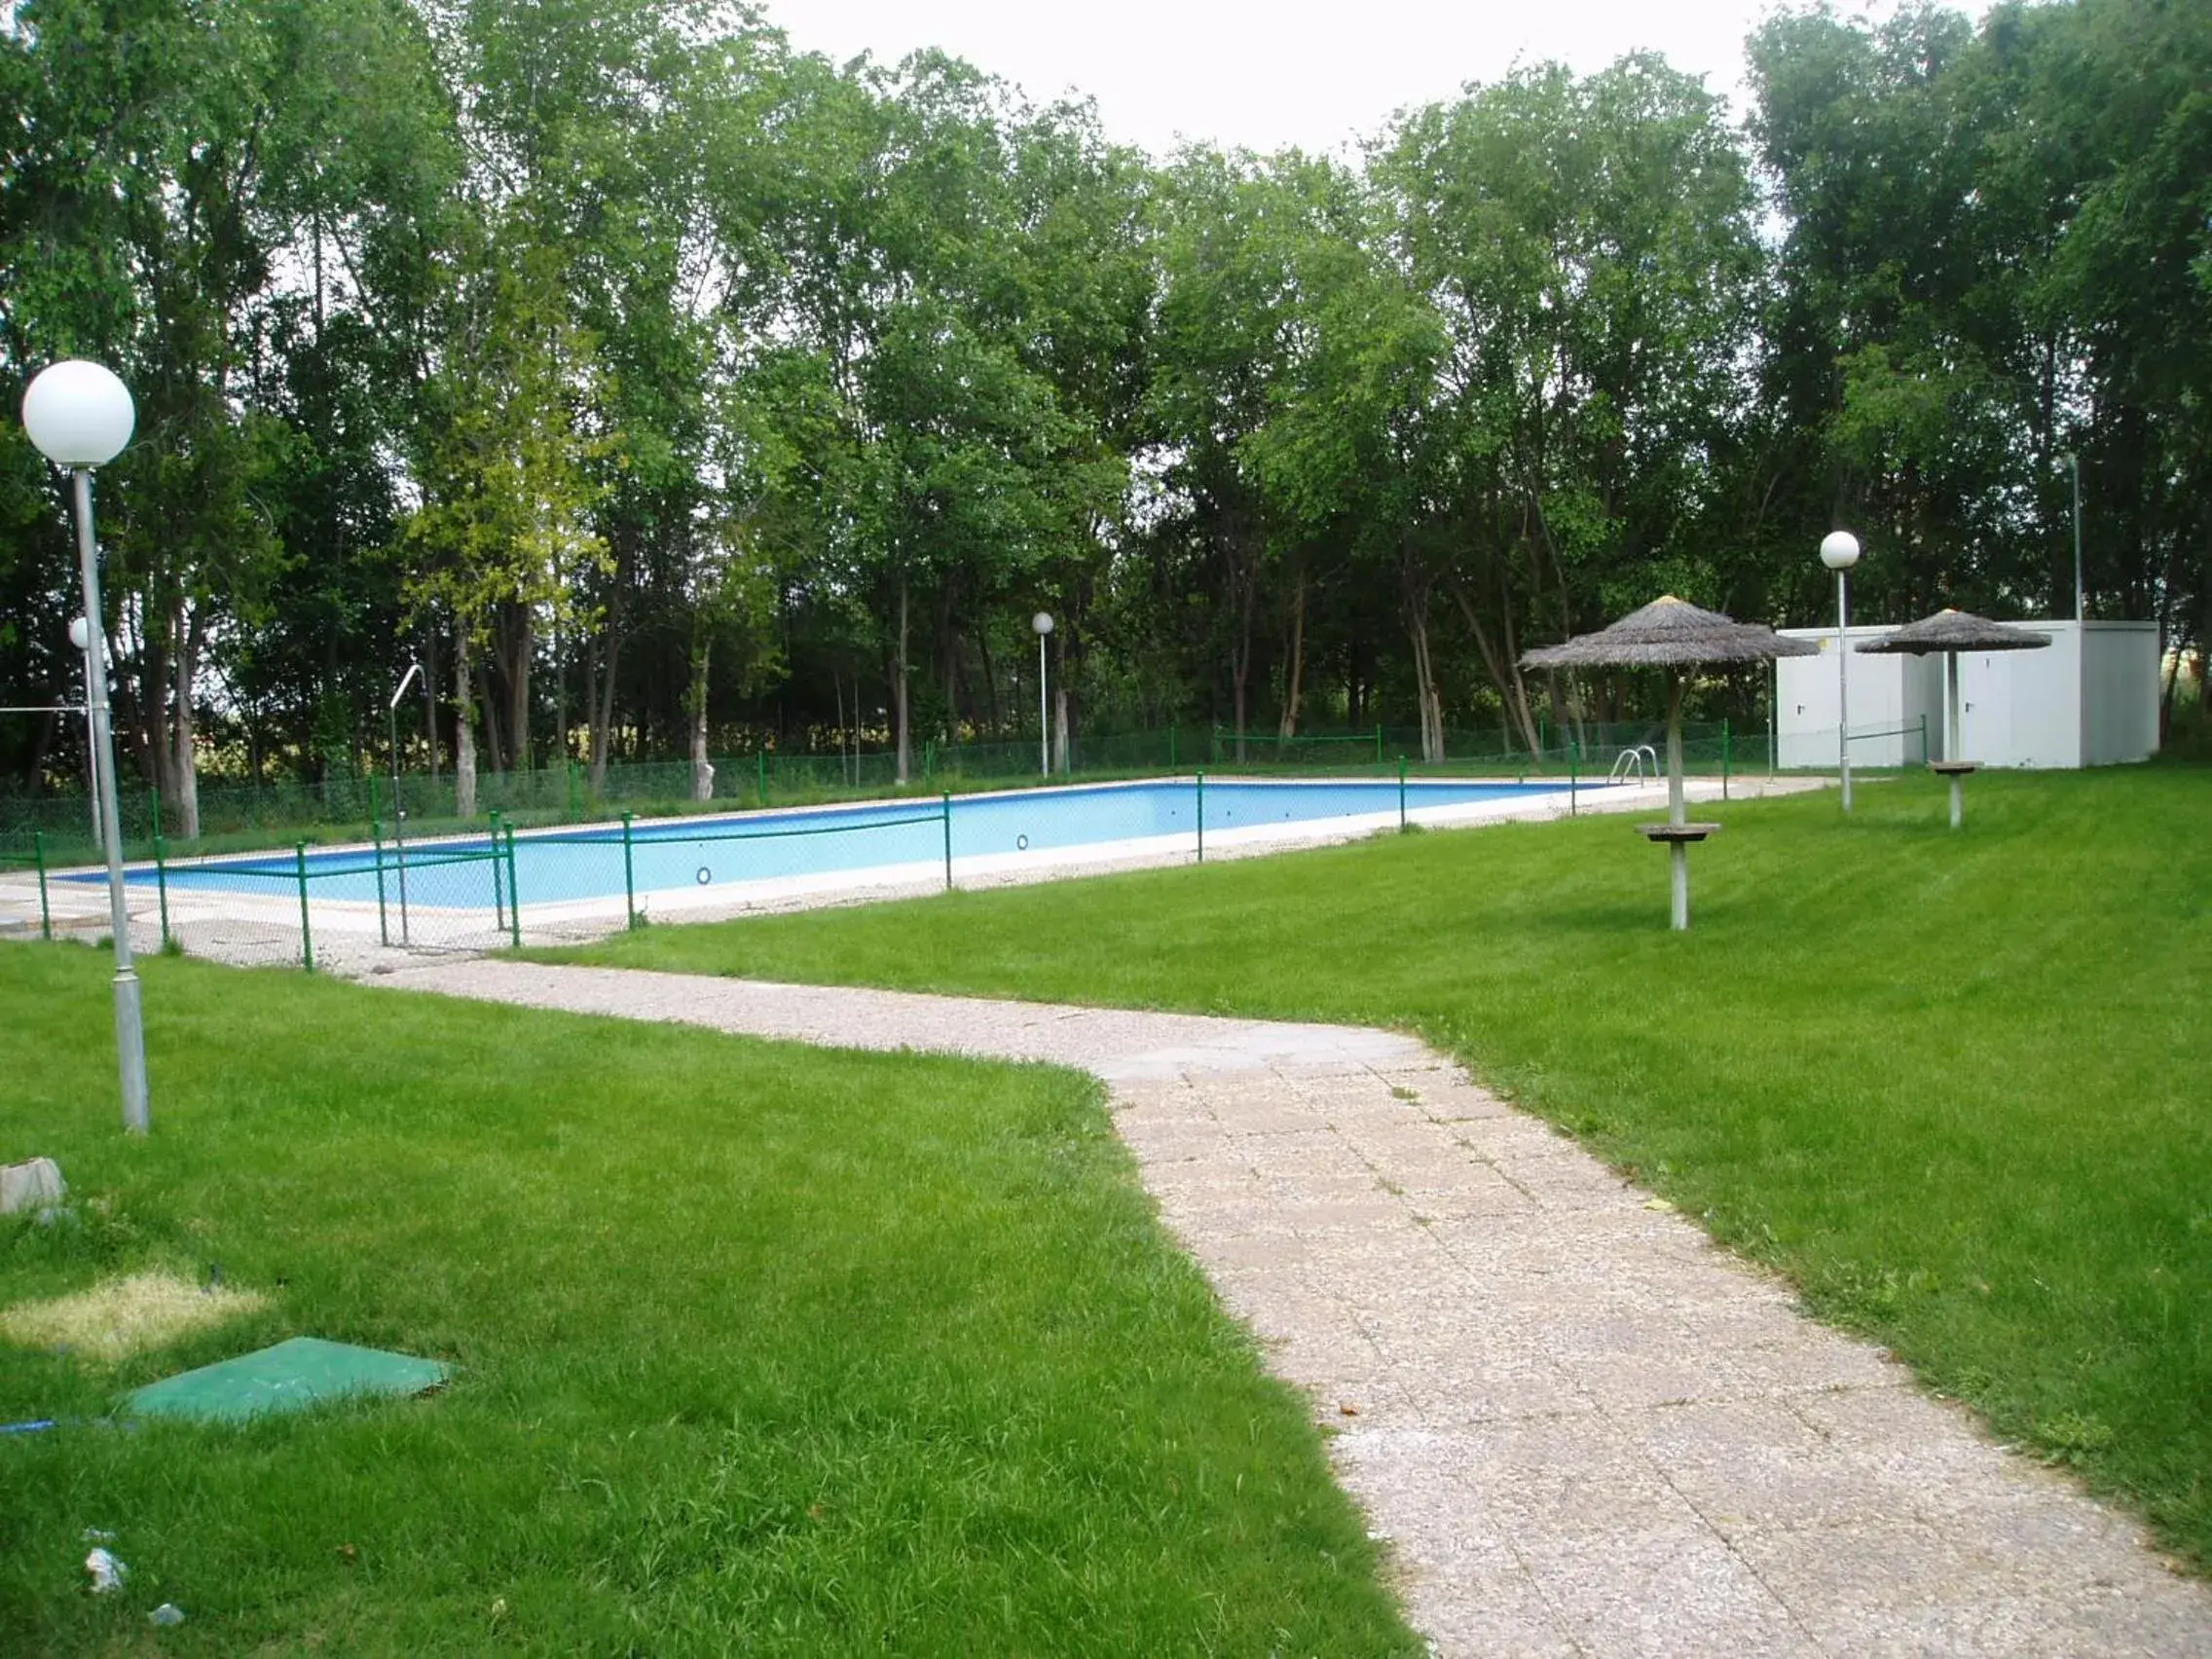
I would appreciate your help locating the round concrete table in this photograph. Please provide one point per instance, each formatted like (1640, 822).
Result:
(1676, 838)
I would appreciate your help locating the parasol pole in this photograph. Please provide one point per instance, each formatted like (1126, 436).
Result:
(1678, 851)
(1674, 813)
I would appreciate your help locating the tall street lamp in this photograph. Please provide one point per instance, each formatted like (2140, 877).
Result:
(1043, 623)
(81, 637)
(80, 416)
(1839, 551)
(398, 811)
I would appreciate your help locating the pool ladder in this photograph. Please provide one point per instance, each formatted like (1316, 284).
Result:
(1628, 765)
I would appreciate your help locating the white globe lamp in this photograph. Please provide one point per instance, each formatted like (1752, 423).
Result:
(79, 414)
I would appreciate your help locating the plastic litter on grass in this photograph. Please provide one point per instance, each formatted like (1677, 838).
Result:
(290, 1376)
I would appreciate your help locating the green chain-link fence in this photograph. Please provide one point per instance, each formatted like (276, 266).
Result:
(57, 829)
(400, 887)
(23, 851)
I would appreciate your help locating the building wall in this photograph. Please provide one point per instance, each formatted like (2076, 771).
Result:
(2024, 708)
(1888, 697)
(2054, 707)
(2119, 692)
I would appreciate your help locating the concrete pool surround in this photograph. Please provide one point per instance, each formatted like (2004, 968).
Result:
(262, 925)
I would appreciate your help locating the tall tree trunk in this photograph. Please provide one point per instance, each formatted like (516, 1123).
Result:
(184, 771)
(1060, 721)
(148, 690)
(948, 659)
(610, 652)
(560, 698)
(1555, 688)
(898, 688)
(493, 751)
(463, 729)
(695, 705)
(431, 699)
(1246, 582)
(991, 710)
(521, 645)
(42, 740)
(1503, 666)
(1296, 671)
(1425, 681)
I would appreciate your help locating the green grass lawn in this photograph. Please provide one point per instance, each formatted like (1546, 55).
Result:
(761, 1349)
(1958, 1085)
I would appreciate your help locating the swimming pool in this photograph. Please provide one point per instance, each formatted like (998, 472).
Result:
(559, 866)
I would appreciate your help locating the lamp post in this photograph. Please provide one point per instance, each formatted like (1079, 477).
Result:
(1043, 623)
(2074, 465)
(80, 416)
(81, 637)
(1839, 551)
(398, 812)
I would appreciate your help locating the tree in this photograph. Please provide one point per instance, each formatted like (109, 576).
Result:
(1589, 244)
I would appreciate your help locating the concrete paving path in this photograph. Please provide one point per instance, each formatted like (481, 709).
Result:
(1582, 1427)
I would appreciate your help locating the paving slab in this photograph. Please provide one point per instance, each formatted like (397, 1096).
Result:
(1577, 1426)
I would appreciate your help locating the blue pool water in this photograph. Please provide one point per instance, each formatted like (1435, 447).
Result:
(553, 866)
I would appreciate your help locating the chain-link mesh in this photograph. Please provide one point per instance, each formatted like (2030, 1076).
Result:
(341, 808)
(436, 883)
(496, 886)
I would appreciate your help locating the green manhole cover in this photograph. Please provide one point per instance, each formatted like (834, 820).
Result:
(290, 1376)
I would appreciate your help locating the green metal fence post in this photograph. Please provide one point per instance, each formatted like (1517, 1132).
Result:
(399, 855)
(1401, 793)
(499, 890)
(1574, 754)
(162, 885)
(1377, 742)
(929, 761)
(763, 755)
(307, 934)
(576, 794)
(1924, 740)
(629, 878)
(1724, 759)
(515, 894)
(376, 836)
(1171, 749)
(45, 916)
(948, 840)
(1202, 814)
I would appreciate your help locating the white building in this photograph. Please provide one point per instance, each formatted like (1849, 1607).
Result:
(2089, 699)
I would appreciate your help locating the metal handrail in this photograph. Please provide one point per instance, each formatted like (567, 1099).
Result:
(1628, 765)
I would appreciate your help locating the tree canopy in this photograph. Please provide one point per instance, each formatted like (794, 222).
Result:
(664, 391)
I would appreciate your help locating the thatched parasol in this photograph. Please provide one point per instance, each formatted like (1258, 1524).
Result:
(1952, 632)
(1672, 634)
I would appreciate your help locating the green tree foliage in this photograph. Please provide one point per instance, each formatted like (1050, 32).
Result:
(663, 390)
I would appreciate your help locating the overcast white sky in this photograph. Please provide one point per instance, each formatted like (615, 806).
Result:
(1267, 73)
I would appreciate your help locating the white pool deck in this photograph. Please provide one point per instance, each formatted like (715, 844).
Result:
(256, 928)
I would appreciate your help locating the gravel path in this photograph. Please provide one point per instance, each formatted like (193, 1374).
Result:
(1582, 1427)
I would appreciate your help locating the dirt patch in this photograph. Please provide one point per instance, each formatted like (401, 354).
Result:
(120, 1318)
